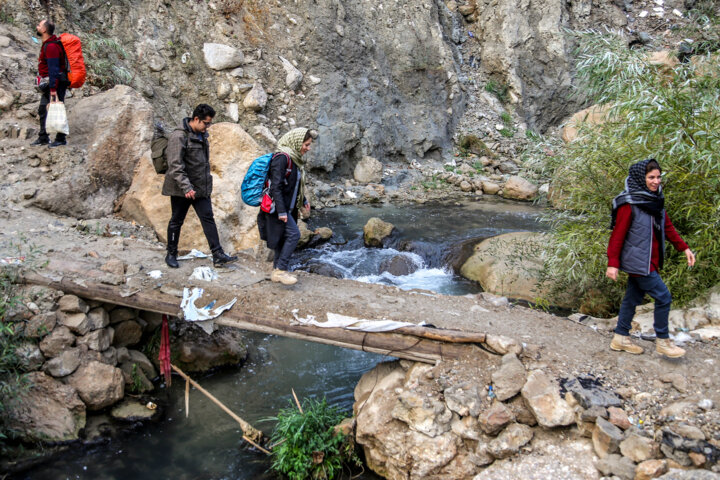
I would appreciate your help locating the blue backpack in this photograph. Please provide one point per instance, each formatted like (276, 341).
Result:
(255, 182)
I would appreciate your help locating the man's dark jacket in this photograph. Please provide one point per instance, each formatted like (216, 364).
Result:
(188, 167)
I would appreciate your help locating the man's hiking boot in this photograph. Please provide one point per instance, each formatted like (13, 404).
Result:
(665, 346)
(41, 141)
(622, 343)
(58, 143)
(281, 276)
(221, 258)
(171, 260)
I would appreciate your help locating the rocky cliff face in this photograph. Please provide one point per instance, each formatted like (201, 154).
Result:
(383, 79)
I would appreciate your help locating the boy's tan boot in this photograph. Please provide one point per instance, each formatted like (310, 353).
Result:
(622, 343)
(665, 346)
(281, 276)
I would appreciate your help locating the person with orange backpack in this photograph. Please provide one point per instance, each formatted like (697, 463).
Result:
(52, 79)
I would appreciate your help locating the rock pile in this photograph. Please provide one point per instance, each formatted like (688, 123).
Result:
(84, 356)
(455, 420)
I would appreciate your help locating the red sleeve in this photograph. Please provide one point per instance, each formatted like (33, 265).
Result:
(673, 236)
(617, 237)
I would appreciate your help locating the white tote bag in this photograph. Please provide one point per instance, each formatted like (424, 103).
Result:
(57, 121)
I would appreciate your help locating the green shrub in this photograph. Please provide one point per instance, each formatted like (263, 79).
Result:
(472, 143)
(673, 117)
(500, 90)
(102, 59)
(12, 379)
(307, 445)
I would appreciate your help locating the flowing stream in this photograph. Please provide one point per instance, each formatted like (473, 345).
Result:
(207, 444)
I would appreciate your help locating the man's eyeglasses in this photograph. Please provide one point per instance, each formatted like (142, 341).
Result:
(207, 122)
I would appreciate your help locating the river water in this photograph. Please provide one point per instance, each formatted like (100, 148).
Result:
(207, 444)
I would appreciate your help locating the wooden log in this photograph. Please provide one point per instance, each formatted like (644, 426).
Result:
(412, 343)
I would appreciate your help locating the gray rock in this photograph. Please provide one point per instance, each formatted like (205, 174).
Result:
(510, 440)
(256, 99)
(127, 333)
(491, 188)
(509, 379)
(677, 474)
(99, 385)
(495, 418)
(135, 379)
(76, 322)
(48, 411)
(98, 340)
(72, 304)
(463, 399)
(519, 188)
(591, 414)
(142, 361)
(40, 325)
(606, 438)
(368, 170)
(121, 314)
(60, 339)
(376, 231)
(398, 265)
(131, 410)
(29, 356)
(109, 356)
(221, 57)
(98, 167)
(264, 133)
(423, 414)
(616, 465)
(639, 448)
(293, 76)
(591, 394)
(543, 399)
(98, 318)
(64, 364)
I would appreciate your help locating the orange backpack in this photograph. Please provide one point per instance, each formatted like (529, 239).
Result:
(73, 59)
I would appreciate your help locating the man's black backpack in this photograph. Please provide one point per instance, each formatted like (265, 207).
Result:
(158, 149)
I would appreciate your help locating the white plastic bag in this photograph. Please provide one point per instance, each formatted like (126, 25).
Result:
(57, 121)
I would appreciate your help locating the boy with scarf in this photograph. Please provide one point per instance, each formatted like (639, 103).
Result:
(637, 246)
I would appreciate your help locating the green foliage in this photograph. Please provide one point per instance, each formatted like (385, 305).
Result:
(500, 90)
(137, 383)
(102, 59)
(307, 445)
(12, 380)
(506, 118)
(472, 143)
(673, 116)
(433, 183)
(507, 132)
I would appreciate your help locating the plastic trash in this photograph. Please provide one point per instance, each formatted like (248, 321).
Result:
(683, 337)
(156, 274)
(193, 254)
(206, 274)
(491, 392)
(193, 313)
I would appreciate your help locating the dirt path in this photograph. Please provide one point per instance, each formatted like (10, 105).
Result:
(555, 343)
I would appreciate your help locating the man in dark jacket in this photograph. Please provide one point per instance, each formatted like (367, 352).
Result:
(52, 79)
(188, 182)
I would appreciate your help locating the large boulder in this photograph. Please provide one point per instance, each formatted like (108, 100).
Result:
(542, 396)
(47, 411)
(518, 188)
(368, 170)
(376, 231)
(98, 384)
(593, 115)
(198, 352)
(232, 151)
(221, 57)
(115, 130)
(509, 265)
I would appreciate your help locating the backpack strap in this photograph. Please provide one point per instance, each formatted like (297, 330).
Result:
(64, 53)
(288, 170)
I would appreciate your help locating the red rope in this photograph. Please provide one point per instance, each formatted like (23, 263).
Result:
(164, 355)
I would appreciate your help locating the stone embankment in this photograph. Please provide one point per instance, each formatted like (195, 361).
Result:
(86, 357)
(492, 418)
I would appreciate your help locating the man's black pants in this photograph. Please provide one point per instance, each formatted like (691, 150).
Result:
(203, 209)
(42, 111)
